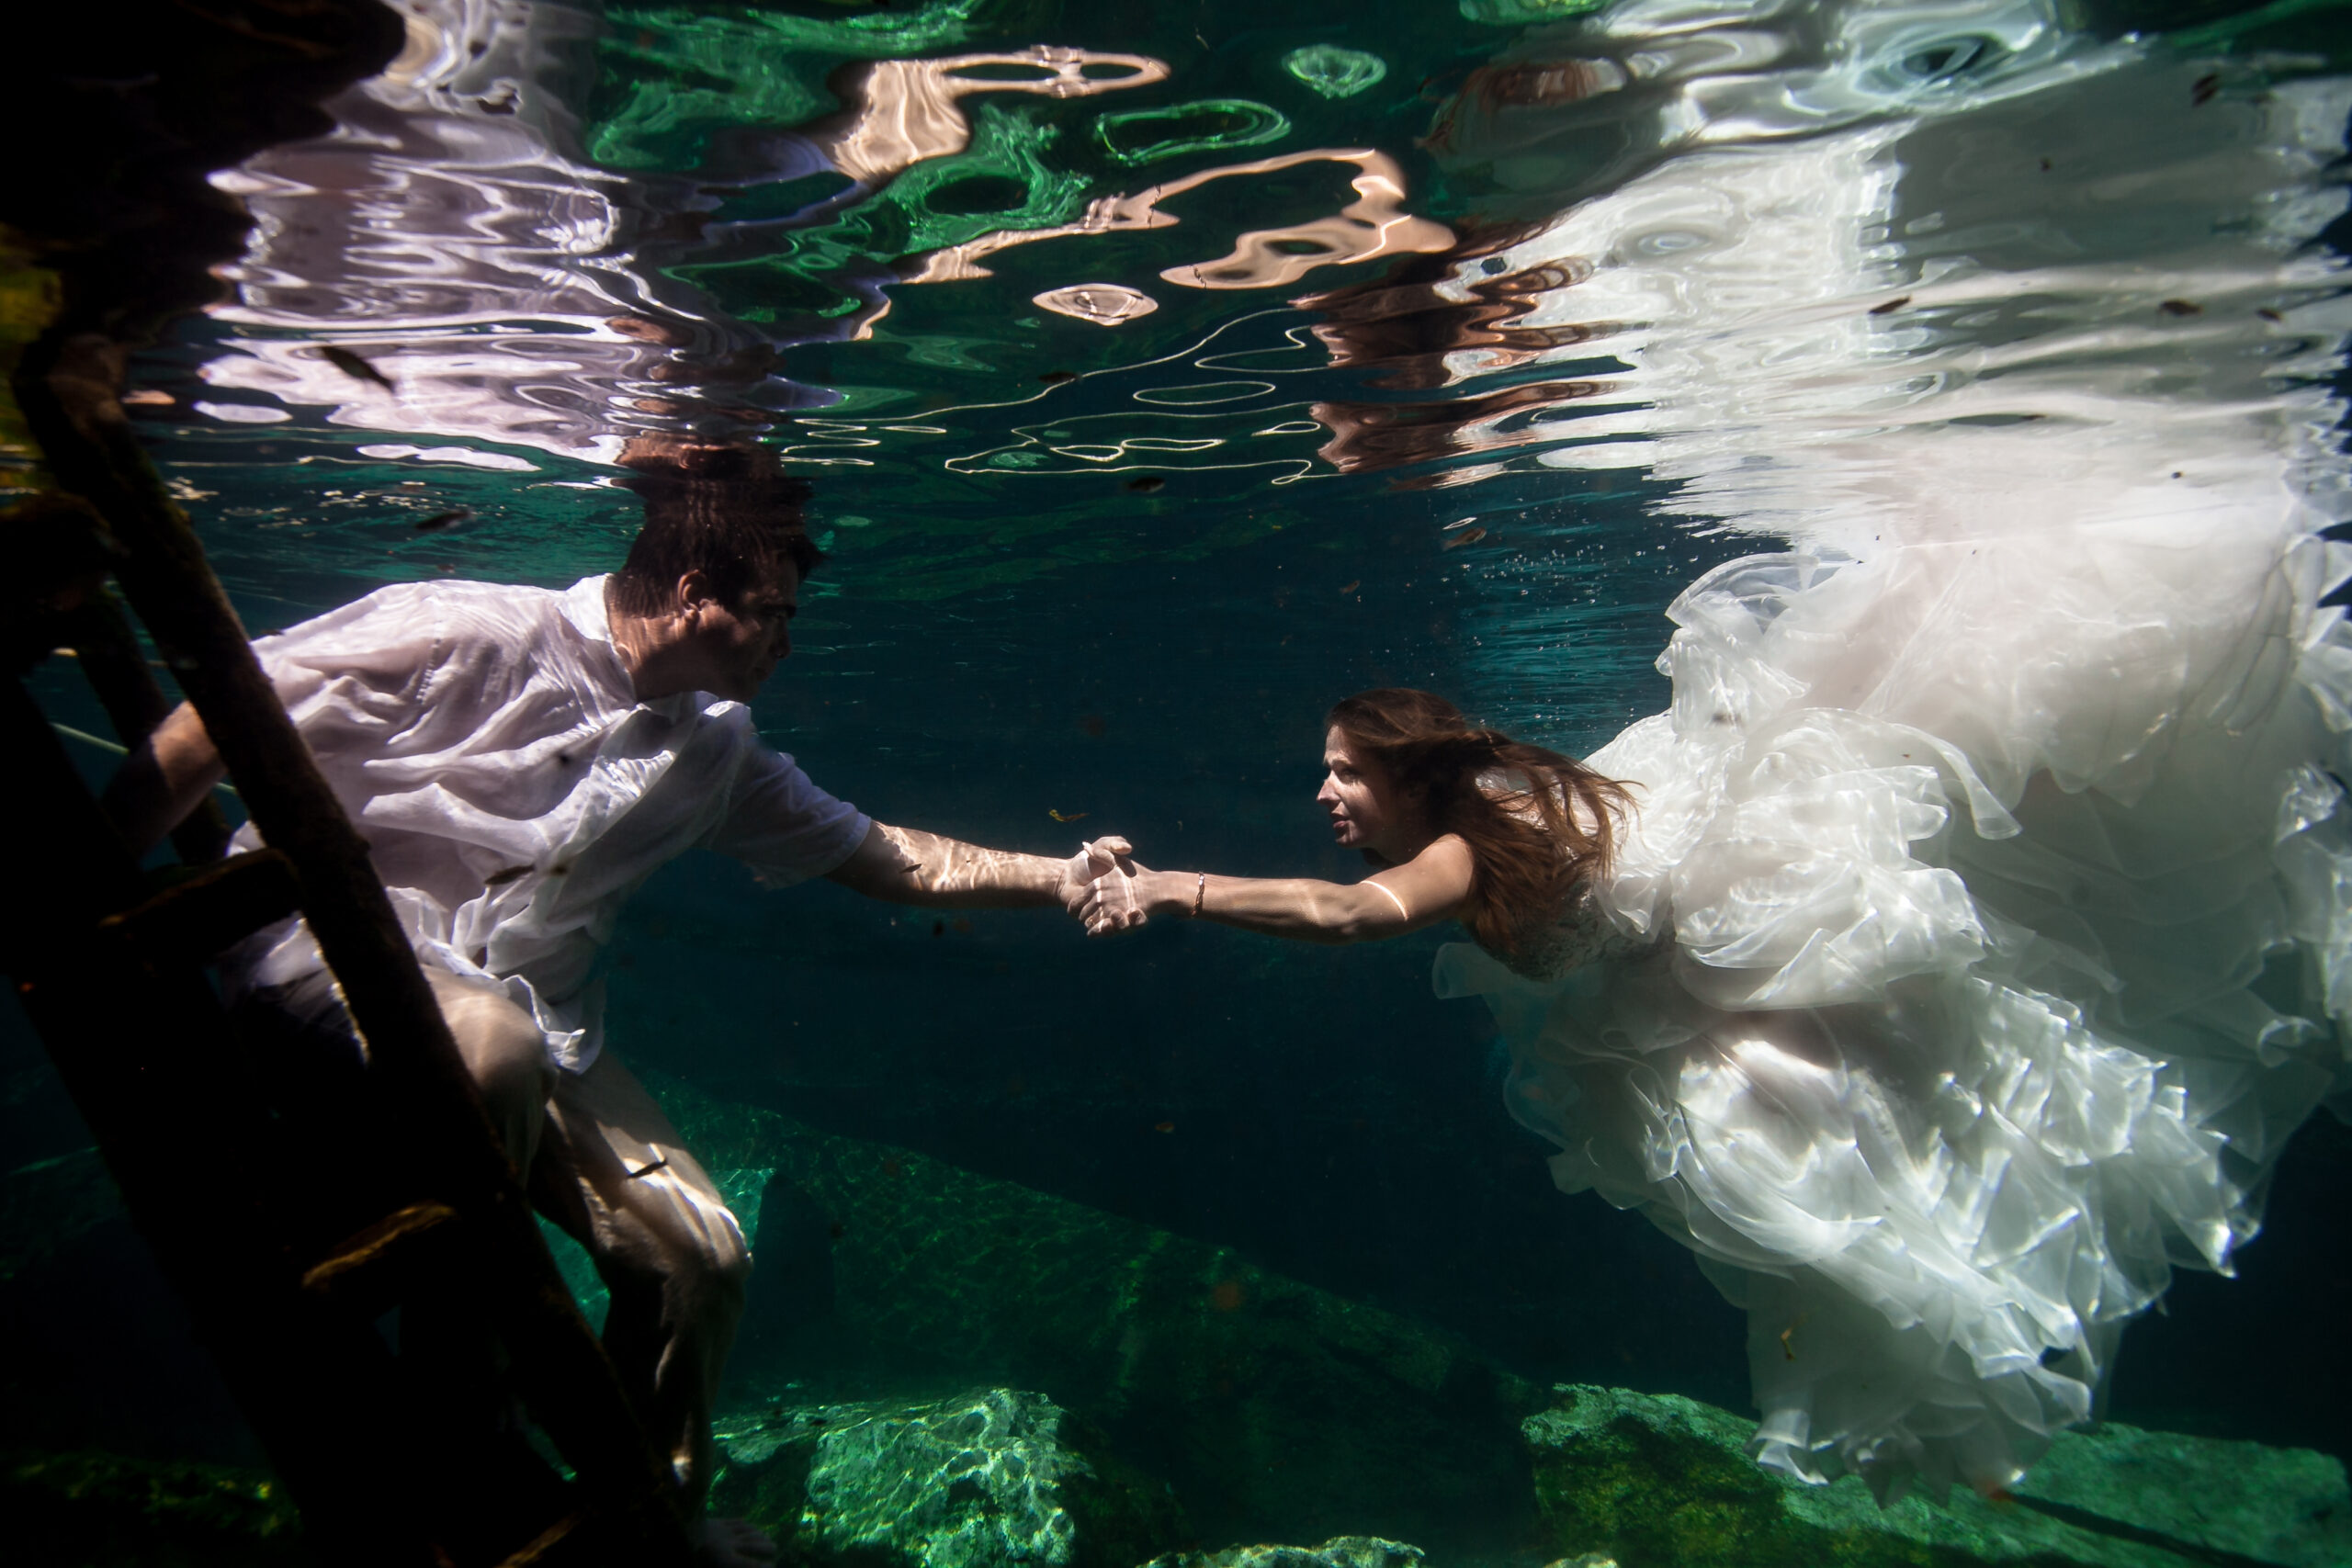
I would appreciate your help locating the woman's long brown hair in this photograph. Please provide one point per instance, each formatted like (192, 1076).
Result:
(1529, 852)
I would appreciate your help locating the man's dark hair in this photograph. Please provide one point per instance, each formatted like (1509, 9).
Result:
(730, 513)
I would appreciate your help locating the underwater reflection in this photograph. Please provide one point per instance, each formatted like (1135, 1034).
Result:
(1373, 225)
(495, 288)
(903, 111)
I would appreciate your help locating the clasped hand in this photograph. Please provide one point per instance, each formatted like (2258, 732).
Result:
(1099, 887)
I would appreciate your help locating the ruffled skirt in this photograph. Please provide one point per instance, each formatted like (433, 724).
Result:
(2010, 892)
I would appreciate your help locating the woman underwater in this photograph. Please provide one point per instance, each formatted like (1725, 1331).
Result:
(1940, 975)
(1956, 953)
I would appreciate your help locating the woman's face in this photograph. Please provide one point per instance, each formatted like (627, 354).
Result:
(1363, 806)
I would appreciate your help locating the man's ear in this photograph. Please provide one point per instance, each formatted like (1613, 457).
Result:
(695, 588)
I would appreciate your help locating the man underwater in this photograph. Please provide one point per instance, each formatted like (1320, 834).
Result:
(520, 761)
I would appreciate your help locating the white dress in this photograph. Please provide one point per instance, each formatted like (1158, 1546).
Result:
(2004, 881)
(1984, 928)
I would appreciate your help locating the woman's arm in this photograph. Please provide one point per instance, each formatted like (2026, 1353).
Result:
(907, 865)
(1431, 887)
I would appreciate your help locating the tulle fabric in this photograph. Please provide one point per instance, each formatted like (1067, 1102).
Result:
(2007, 886)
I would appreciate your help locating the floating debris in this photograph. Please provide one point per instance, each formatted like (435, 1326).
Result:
(2267, 314)
(357, 369)
(441, 520)
(1333, 72)
(1146, 484)
(1891, 306)
(1346, 588)
(1163, 1126)
(2204, 90)
(1469, 537)
(1059, 378)
(2180, 308)
(1069, 816)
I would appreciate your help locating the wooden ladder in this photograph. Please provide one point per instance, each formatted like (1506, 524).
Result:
(215, 1168)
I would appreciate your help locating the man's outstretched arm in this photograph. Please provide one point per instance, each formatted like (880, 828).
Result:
(907, 865)
(161, 781)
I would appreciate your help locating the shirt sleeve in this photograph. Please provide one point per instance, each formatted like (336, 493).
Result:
(783, 826)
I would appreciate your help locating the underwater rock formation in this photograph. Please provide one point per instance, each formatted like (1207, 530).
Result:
(99, 1510)
(1341, 1552)
(1666, 1482)
(988, 1479)
(1278, 1411)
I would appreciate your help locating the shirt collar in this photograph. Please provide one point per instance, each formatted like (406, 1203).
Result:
(584, 605)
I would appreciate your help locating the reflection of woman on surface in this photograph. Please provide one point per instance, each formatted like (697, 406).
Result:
(1463, 823)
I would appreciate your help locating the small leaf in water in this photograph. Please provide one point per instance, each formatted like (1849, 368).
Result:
(441, 520)
(1468, 536)
(1889, 307)
(1145, 485)
(2181, 307)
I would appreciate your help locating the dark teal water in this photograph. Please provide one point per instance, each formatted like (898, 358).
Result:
(1120, 571)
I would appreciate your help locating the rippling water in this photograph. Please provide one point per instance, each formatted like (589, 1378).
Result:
(1166, 371)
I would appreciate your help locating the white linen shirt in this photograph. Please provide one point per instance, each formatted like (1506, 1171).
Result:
(514, 792)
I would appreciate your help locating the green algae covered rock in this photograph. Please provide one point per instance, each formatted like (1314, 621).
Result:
(103, 1510)
(2289, 1506)
(990, 1479)
(1278, 1411)
(1665, 1482)
(1341, 1552)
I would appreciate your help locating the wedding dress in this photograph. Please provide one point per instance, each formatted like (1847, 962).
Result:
(1983, 923)
(2005, 936)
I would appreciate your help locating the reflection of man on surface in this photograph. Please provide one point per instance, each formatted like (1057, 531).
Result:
(520, 761)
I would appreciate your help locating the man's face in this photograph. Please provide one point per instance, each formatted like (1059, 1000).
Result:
(740, 645)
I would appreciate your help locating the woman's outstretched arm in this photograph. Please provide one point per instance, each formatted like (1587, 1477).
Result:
(1431, 887)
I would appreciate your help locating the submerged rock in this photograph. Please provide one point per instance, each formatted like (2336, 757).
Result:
(1341, 1552)
(990, 1479)
(1277, 1410)
(1666, 1482)
(101, 1510)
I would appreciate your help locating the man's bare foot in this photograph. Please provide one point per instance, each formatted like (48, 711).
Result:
(733, 1543)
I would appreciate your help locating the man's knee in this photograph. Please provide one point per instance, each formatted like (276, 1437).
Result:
(708, 1261)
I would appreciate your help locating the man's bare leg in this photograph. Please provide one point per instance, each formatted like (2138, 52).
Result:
(614, 1173)
(652, 1227)
(505, 1054)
